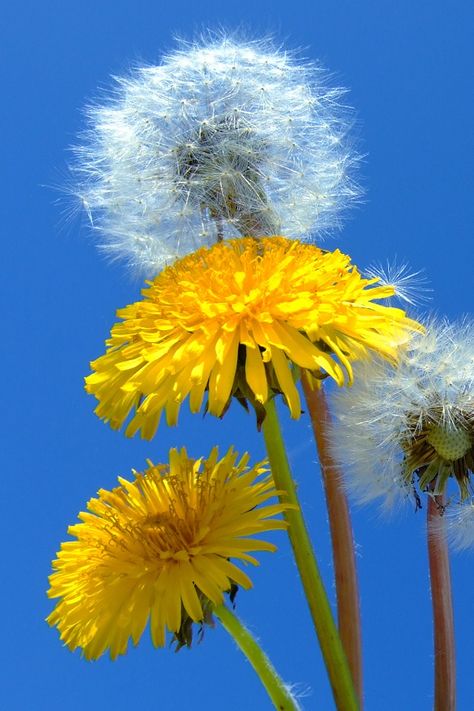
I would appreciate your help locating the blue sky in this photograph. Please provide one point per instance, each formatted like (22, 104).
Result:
(408, 67)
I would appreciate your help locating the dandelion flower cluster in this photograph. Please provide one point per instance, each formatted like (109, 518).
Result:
(222, 138)
(408, 430)
(237, 320)
(159, 549)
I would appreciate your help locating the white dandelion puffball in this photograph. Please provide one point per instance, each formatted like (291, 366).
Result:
(400, 432)
(223, 138)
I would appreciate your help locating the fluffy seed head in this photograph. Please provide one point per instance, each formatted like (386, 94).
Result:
(406, 430)
(159, 548)
(221, 139)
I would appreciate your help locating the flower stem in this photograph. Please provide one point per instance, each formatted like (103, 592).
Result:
(443, 620)
(276, 689)
(345, 572)
(326, 630)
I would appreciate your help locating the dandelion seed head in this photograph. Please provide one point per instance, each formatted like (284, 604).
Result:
(223, 138)
(401, 431)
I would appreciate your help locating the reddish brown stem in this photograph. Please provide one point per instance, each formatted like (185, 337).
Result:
(443, 620)
(345, 573)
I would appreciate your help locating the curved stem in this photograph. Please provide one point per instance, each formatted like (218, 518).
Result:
(345, 571)
(443, 620)
(276, 689)
(329, 640)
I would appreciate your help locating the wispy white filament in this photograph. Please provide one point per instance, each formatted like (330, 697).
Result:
(460, 525)
(222, 138)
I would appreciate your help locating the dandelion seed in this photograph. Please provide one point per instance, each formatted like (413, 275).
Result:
(411, 287)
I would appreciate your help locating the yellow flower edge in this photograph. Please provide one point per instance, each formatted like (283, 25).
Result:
(159, 549)
(239, 319)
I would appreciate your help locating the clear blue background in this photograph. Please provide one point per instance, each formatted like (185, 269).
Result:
(408, 65)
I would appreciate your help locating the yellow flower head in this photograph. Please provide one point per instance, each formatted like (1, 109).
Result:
(160, 547)
(234, 320)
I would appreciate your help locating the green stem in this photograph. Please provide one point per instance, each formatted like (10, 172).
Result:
(345, 571)
(277, 691)
(326, 630)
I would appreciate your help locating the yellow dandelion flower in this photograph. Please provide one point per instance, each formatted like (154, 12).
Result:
(159, 549)
(234, 320)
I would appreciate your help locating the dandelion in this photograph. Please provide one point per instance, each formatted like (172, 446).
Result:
(159, 548)
(223, 138)
(238, 320)
(404, 431)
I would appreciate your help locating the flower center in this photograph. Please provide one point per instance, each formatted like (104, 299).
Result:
(450, 444)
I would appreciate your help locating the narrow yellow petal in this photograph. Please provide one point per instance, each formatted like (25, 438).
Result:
(285, 379)
(222, 377)
(255, 374)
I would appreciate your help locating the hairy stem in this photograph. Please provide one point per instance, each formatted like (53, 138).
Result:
(276, 689)
(345, 572)
(443, 619)
(331, 647)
